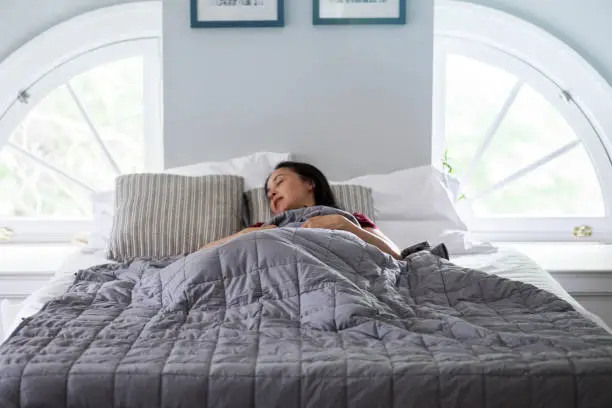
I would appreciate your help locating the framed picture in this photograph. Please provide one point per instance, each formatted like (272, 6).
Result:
(359, 12)
(237, 13)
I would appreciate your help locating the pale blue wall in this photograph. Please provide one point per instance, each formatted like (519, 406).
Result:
(353, 99)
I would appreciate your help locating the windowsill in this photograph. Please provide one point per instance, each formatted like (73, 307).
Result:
(33, 259)
(567, 257)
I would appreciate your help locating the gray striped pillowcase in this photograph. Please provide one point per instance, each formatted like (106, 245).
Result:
(349, 197)
(162, 215)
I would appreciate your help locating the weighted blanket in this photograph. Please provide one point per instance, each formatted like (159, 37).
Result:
(294, 317)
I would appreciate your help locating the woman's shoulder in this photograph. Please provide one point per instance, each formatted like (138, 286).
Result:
(364, 220)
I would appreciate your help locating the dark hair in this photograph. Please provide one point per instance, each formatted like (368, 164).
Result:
(323, 194)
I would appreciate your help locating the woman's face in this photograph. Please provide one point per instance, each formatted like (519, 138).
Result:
(288, 191)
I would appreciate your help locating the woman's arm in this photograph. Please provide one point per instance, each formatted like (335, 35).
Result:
(370, 235)
(378, 239)
(387, 240)
(236, 235)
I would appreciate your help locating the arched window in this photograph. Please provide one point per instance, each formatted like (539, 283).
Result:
(519, 119)
(82, 104)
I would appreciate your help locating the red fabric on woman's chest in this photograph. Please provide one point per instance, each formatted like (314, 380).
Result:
(364, 221)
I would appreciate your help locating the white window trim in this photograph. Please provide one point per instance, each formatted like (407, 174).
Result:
(76, 37)
(60, 75)
(62, 52)
(552, 57)
(460, 23)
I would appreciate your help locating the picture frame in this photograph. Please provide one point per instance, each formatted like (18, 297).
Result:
(237, 13)
(334, 12)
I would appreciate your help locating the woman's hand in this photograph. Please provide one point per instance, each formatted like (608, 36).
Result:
(332, 222)
(236, 235)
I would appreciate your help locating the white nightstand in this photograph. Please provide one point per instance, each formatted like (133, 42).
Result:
(583, 269)
(24, 268)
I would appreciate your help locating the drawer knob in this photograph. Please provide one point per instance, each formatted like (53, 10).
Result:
(582, 231)
(6, 233)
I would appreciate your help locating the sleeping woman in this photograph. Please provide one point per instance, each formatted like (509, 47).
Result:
(294, 185)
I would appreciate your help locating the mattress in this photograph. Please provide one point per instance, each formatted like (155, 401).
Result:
(503, 262)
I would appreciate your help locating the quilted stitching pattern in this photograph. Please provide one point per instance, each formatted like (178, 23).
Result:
(295, 317)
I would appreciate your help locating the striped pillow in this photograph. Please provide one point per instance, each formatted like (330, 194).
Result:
(162, 215)
(349, 197)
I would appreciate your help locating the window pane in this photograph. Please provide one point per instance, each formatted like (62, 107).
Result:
(532, 129)
(565, 187)
(112, 95)
(475, 93)
(56, 132)
(29, 190)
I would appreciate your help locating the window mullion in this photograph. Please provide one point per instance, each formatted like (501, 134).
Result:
(492, 131)
(49, 166)
(527, 169)
(93, 129)
(67, 190)
(439, 98)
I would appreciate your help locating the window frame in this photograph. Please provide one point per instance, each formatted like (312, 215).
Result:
(57, 56)
(551, 68)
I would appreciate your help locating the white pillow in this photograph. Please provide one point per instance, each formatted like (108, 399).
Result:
(408, 233)
(419, 204)
(103, 210)
(418, 194)
(253, 168)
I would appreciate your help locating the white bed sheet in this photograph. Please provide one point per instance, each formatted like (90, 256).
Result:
(11, 313)
(512, 264)
(503, 262)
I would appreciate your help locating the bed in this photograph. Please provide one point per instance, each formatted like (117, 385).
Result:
(136, 335)
(302, 317)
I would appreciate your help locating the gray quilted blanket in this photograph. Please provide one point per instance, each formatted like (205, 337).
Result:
(304, 318)
(295, 218)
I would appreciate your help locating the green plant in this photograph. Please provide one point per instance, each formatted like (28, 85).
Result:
(446, 164)
(450, 170)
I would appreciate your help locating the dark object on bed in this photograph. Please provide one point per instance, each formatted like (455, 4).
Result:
(304, 318)
(439, 250)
